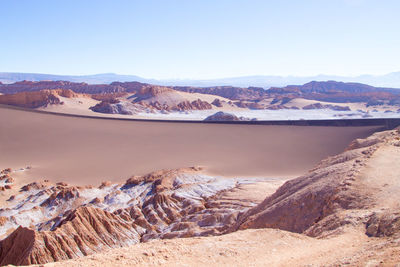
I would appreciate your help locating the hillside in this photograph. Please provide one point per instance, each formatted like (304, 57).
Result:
(349, 201)
(140, 100)
(37, 99)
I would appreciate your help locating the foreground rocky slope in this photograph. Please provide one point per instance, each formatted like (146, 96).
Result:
(350, 200)
(58, 222)
(339, 192)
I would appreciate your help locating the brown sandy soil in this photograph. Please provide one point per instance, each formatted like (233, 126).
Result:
(261, 247)
(77, 105)
(88, 151)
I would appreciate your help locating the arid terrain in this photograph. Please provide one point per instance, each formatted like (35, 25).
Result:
(135, 100)
(199, 133)
(63, 148)
(343, 210)
(95, 190)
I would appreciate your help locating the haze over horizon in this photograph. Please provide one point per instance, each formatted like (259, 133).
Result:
(200, 40)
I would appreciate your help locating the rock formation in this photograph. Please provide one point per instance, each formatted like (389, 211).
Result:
(154, 96)
(224, 116)
(6, 181)
(332, 195)
(111, 106)
(249, 105)
(51, 222)
(327, 106)
(37, 99)
(217, 103)
(57, 222)
(83, 231)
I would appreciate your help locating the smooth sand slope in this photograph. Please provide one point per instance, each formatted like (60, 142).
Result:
(359, 224)
(87, 151)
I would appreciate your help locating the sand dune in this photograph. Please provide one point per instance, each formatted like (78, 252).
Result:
(87, 151)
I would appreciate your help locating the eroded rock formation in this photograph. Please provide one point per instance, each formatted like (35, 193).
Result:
(57, 222)
(224, 116)
(334, 194)
(327, 106)
(37, 99)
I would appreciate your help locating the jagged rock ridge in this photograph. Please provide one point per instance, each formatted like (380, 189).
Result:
(62, 221)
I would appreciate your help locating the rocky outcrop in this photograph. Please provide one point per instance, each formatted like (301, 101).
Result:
(151, 91)
(329, 91)
(249, 105)
(223, 116)
(337, 92)
(111, 106)
(327, 106)
(58, 222)
(28, 86)
(83, 231)
(230, 92)
(37, 99)
(161, 98)
(329, 197)
(194, 105)
(6, 181)
(217, 103)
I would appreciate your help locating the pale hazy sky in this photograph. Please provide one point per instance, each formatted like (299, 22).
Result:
(200, 38)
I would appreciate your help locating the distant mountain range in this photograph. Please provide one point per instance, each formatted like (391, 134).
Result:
(388, 80)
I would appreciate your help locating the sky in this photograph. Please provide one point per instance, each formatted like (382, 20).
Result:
(200, 39)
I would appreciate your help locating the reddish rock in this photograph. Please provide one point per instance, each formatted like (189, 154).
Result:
(217, 103)
(194, 105)
(250, 105)
(328, 106)
(83, 232)
(111, 106)
(222, 116)
(34, 186)
(3, 220)
(105, 184)
(10, 180)
(36, 99)
(6, 171)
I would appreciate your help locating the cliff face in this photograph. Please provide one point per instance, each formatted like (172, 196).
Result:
(37, 99)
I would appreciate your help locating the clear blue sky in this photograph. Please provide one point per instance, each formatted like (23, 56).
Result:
(200, 38)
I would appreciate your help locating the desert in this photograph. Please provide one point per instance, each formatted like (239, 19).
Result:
(338, 200)
(199, 133)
